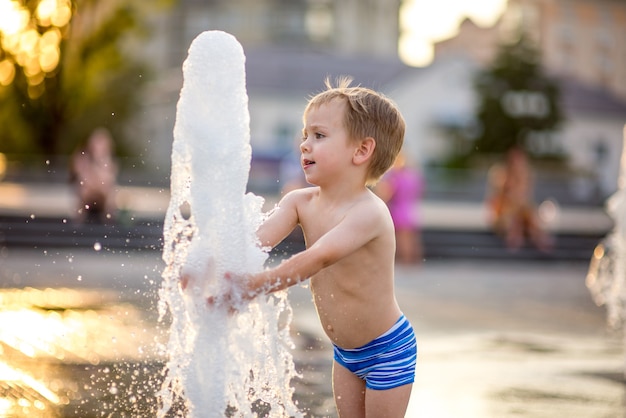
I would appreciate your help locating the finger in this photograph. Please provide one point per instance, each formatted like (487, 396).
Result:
(225, 300)
(184, 281)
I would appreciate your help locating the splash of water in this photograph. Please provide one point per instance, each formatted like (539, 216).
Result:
(219, 364)
(606, 278)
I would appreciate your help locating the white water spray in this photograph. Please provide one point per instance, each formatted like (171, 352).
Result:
(606, 279)
(219, 364)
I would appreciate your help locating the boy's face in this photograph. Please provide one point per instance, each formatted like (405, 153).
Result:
(326, 148)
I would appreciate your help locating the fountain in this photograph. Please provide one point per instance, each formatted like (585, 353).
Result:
(218, 363)
(606, 278)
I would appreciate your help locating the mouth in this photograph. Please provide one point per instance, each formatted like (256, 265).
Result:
(307, 163)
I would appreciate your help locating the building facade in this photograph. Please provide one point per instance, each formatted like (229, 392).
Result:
(580, 39)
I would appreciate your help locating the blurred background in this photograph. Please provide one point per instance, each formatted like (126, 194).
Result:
(472, 79)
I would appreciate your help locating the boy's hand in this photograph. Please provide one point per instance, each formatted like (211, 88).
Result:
(235, 287)
(236, 293)
(191, 274)
(242, 286)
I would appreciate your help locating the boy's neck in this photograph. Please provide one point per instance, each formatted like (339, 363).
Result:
(350, 183)
(341, 191)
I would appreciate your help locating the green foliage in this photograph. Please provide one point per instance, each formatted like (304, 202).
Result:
(517, 101)
(96, 83)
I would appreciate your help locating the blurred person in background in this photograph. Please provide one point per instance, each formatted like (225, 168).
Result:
(94, 175)
(402, 188)
(510, 202)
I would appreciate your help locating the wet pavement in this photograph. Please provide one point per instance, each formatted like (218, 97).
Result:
(79, 337)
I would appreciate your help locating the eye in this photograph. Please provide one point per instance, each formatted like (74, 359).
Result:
(319, 135)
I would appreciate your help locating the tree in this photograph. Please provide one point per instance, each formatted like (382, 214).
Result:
(65, 70)
(518, 103)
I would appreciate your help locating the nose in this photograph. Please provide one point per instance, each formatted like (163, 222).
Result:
(304, 145)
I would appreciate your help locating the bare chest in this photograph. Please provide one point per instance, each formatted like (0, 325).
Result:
(316, 223)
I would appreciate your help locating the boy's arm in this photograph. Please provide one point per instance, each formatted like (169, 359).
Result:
(281, 221)
(347, 236)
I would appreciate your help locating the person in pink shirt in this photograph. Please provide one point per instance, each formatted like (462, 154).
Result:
(402, 188)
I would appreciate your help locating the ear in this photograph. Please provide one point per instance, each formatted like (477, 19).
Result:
(364, 150)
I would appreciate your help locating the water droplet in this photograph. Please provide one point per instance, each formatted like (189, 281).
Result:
(79, 278)
(47, 162)
(32, 216)
(97, 246)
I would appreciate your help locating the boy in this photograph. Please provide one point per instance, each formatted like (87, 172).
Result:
(351, 136)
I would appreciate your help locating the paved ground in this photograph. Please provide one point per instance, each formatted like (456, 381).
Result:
(496, 339)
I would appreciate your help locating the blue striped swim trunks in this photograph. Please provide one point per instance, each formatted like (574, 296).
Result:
(386, 362)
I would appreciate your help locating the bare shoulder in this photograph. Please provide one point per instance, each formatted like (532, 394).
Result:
(372, 211)
(298, 197)
(372, 206)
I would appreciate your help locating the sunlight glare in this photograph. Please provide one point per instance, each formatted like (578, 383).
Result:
(7, 74)
(9, 374)
(54, 12)
(13, 17)
(485, 12)
(6, 405)
(45, 10)
(423, 23)
(37, 53)
(29, 41)
(62, 14)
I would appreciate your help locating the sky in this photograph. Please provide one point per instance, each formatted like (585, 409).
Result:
(423, 22)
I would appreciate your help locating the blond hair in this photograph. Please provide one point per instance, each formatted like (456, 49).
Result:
(368, 114)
